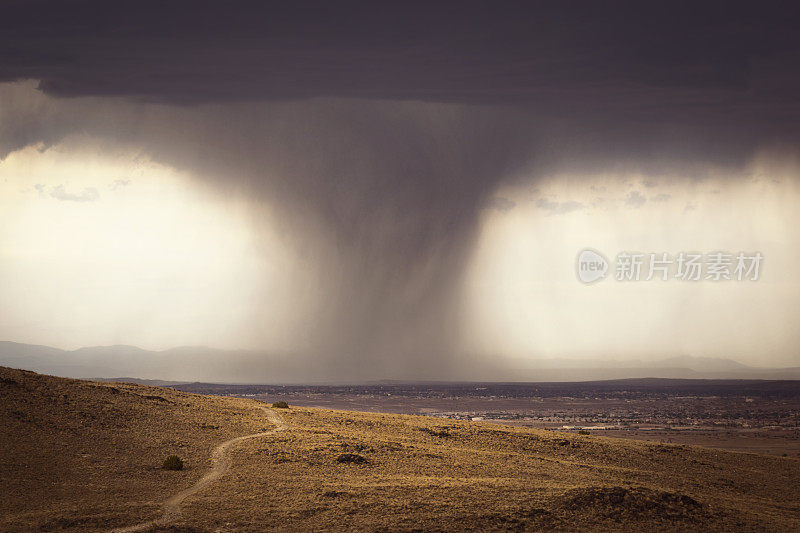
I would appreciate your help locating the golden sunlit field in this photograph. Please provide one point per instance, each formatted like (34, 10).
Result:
(83, 456)
(78, 455)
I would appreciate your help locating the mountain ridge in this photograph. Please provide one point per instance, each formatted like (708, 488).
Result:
(204, 364)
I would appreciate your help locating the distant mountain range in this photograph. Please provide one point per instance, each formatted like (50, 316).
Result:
(189, 364)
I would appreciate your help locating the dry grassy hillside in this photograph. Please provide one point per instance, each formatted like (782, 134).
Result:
(82, 456)
(78, 455)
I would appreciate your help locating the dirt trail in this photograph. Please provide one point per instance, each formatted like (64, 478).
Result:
(220, 462)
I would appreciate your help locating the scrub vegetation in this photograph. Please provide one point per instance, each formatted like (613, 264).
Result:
(82, 456)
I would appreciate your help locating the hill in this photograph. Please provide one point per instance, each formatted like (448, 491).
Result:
(79, 455)
(82, 456)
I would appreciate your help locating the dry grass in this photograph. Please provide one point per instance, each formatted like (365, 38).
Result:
(78, 455)
(434, 474)
(417, 473)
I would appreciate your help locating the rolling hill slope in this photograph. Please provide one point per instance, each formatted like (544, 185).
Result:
(83, 456)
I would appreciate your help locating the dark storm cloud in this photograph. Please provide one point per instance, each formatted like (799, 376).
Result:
(379, 199)
(444, 51)
(383, 129)
(667, 80)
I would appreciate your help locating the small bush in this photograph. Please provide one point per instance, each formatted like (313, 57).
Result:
(351, 458)
(280, 405)
(173, 462)
(583, 432)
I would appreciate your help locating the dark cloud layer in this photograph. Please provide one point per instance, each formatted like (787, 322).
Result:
(721, 74)
(383, 129)
(443, 51)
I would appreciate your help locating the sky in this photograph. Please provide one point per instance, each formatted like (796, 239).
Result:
(399, 190)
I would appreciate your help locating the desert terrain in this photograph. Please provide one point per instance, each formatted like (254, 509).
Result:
(760, 416)
(86, 456)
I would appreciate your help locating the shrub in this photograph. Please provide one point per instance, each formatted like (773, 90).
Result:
(280, 405)
(584, 432)
(351, 458)
(173, 462)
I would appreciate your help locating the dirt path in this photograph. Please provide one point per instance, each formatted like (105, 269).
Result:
(220, 462)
